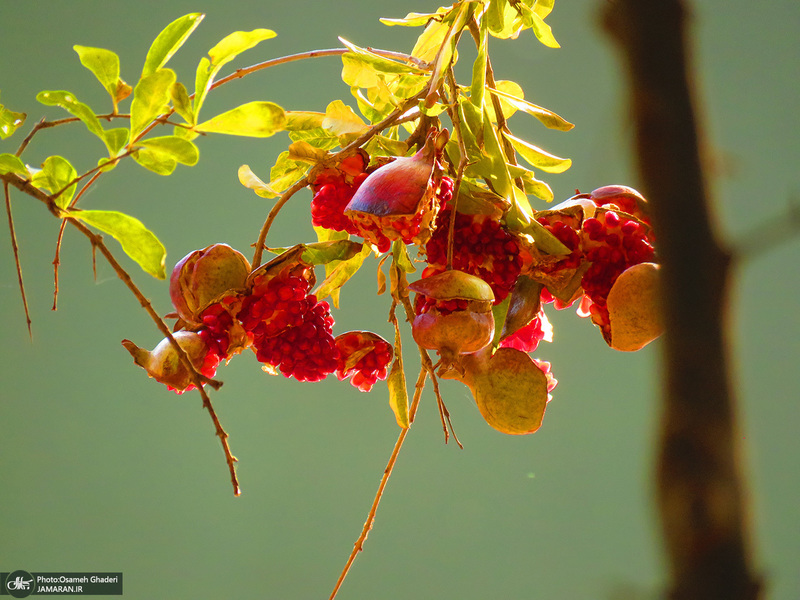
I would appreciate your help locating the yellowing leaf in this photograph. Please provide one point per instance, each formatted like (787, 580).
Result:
(254, 119)
(57, 173)
(182, 150)
(251, 181)
(9, 163)
(340, 119)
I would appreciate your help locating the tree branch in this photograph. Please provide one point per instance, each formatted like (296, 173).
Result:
(703, 512)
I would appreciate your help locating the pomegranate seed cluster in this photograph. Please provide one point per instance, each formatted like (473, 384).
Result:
(482, 247)
(372, 357)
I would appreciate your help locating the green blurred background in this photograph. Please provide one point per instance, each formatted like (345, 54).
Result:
(105, 470)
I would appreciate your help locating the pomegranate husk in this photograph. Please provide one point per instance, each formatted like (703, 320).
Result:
(510, 390)
(634, 308)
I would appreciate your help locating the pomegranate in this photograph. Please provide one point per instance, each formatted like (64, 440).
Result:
(164, 365)
(399, 201)
(203, 276)
(454, 315)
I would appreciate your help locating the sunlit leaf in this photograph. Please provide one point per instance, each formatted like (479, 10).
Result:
(537, 157)
(169, 41)
(543, 7)
(9, 121)
(237, 42)
(329, 235)
(181, 102)
(304, 152)
(182, 150)
(356, 72)
(410, 20)
(150, 98)
(533, 186)
(340, 119)
(401, 258)
(476, 93)
(504, 21)
(155, 161)
(547, 117)
(57, 173)
(499, 176)
(322, 253)
(317, 137)
(378, 62)
(251, 181)
(10, 163)
(116, 139)
(398, 393)
(444, 58)
(508, 109)
(137, 241)
(541, 30)
(254, 119)
(429, 42)
(103, 63)
(71, 104)
(286, 172)
(298, 120)
(342, 273)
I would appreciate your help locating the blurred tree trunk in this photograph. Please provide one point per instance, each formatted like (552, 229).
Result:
(702, 507)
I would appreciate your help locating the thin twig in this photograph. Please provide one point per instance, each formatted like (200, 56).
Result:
(15, 247)
(359, 544)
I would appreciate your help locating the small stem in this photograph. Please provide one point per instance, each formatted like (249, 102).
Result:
(15, 247)
(262, 236)
(452, 110)
(359, 544)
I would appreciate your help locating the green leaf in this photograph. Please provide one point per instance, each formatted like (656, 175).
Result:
(137, 241)
(532, 185)
(115, 140)
(543, 7)
(342, 273)
(9, 163)
(378, 62)
(155, 161)
(499, 312)
(72, 105)
(401, 258)
(498, 176)
(329, 235)
(235, 43)
(508, 109)
(317, 137)
(104, 64)
(541, 30)
(254, 119)
(169, 41)
(224, 52)
(298, 120)
(446, 54)
(537, 157)
(340, 119)
(150, 98)
(286, 172)
(396, 381)
(478, 86)
(410, 20)
(322, 253)
(56, 175)
(181, 102)
(180, 149)
(524, 303)
(9, 121)
(550, 119)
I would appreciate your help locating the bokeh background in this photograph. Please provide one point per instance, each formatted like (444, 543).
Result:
(102, 469)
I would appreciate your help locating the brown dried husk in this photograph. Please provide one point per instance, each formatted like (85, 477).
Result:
(634, 308)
